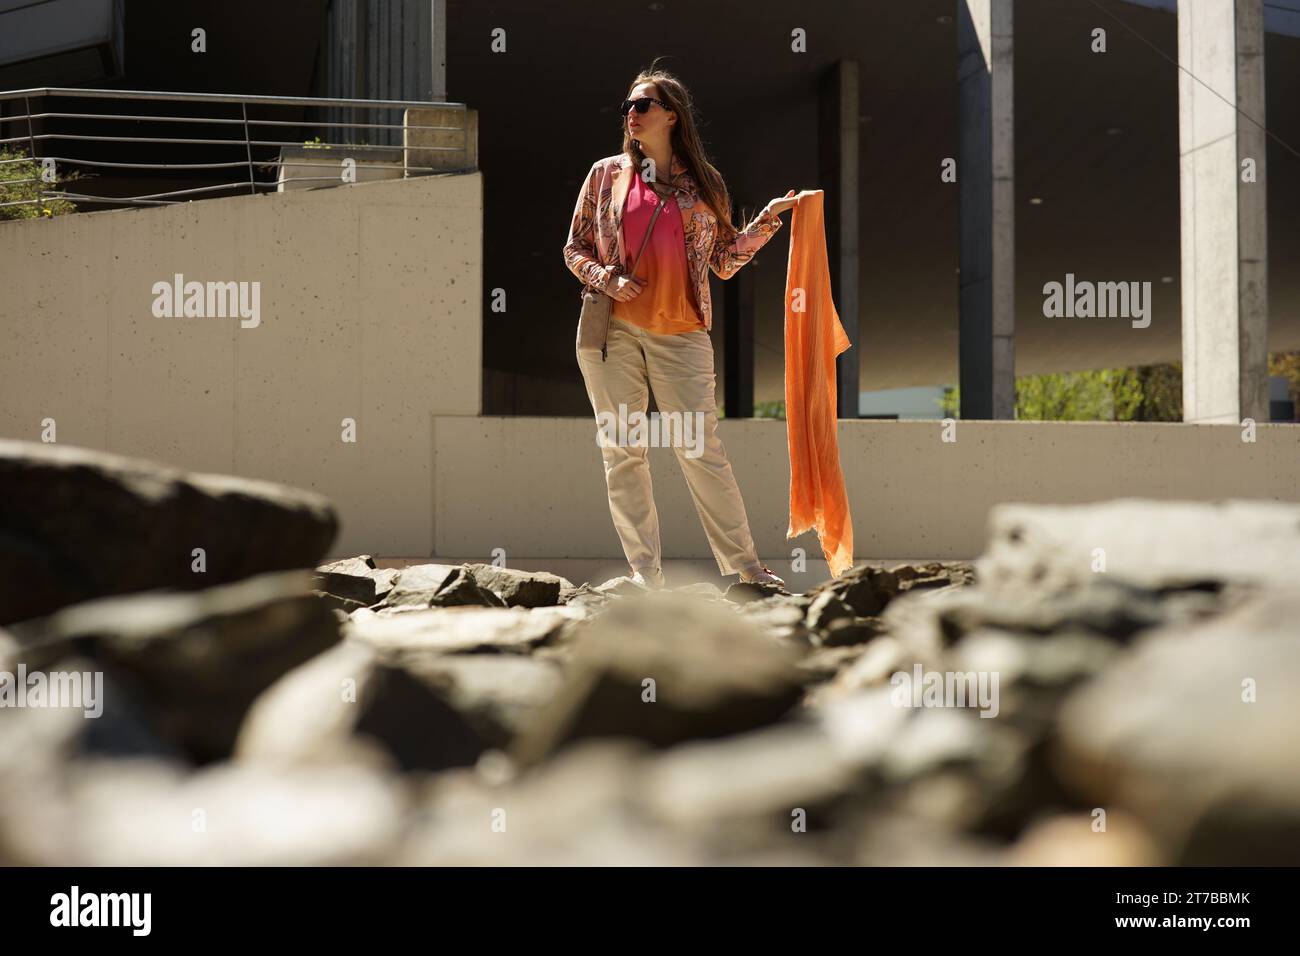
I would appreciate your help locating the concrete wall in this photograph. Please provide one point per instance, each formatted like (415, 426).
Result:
(370, 309)
(535, 486)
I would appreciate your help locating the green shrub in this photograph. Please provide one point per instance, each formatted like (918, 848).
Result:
(12, 189)
(1148, 393)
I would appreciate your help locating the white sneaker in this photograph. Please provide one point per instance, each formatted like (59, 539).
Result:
(652, 578)
(761, 574)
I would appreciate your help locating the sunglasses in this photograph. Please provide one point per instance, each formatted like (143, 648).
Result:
(641, 105)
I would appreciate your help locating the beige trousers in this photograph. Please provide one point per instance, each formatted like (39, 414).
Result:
(679, 368)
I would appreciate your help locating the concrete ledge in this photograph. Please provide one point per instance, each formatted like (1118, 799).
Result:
(535, 487)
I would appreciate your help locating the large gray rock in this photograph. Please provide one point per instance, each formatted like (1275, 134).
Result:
(97, 715)
(77, 524)
(781, 621)
(355, 582)
(746, 789)
(584, 596)
(346, 705)
(192, 662)
(143, 812)
(873, 667)
(1152, 544)
(934, 575)
(847, 631)
(521, 588)
(865, 589)
(438, 585)
(712, 671)
(1071, 840)
(575, 810)
(1099, 604)
(460, 630)
(497, 694)
(1170, 734)
(825, 608)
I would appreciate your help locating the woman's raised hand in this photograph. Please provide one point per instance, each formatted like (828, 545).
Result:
(782, 203)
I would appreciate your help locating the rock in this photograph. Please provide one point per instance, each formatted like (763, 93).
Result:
(521, 588)
(921, 620)
(743, 592)
(150, 813)
(1074, 840)
(1151, 544)
(872, 667)
(498, 694)
(1100, 604)
(703, 589)
(416, 584)
(713, 672)
(845, 631)
(453, 630)
(99, 720)
(309, 715)
(866, 590)
(355, 582)
(622, 586)
(896, 839)
(1194, 732)
(937, 738)
(947, 767)
(934, 575)
(1055, 661)
(824, 663)
(337, 604)
(193, 662)
(575, 810)
(462, 588)
(782, 622)
(358, 566)
(826, 607)
(81, 524)
(744, 789)
(584, 596)
(349, 705)
(438, 585)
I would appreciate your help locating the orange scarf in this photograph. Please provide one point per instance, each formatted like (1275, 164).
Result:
(813, 338)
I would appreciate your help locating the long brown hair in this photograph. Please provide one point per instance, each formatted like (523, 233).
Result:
(686, 144)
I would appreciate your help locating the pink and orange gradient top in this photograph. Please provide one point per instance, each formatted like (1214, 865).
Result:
(666, 304)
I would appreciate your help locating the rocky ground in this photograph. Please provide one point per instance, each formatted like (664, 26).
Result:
(267, 710)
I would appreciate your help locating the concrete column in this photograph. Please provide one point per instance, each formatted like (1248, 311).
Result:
(1224, 221)
(837, 150)
(738, 345)
(434, 80)
(986, 181)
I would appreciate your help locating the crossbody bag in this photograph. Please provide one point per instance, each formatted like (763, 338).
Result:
(597, 306)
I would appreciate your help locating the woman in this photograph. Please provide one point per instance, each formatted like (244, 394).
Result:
(659, 330)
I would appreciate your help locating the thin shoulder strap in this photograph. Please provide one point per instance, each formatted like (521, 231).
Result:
(649, 229)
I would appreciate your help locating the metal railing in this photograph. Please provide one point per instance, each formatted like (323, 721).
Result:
(44, 142)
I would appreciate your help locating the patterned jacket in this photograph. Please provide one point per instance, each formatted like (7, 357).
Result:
(595, 250)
